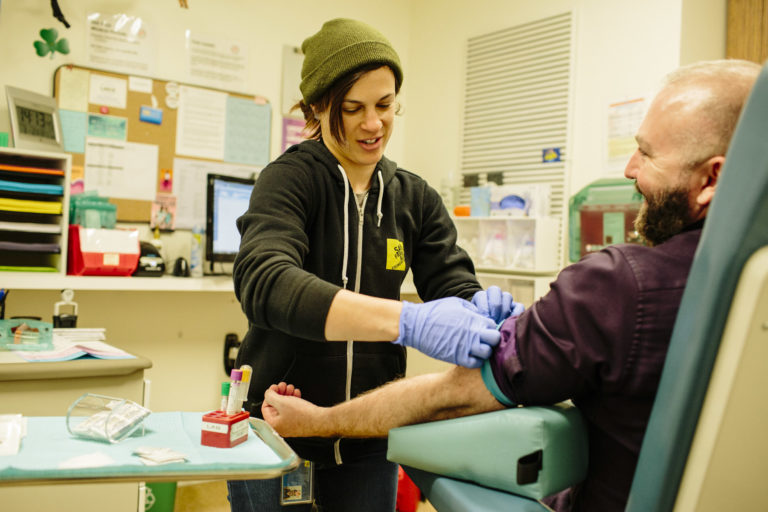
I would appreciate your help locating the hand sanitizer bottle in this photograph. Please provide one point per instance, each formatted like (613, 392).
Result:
(196, 255)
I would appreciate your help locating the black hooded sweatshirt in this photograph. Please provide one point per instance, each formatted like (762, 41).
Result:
(303, 239)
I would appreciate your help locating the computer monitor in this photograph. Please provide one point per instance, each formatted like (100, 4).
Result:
(226, 199)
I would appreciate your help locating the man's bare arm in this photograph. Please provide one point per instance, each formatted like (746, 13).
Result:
(456, 392)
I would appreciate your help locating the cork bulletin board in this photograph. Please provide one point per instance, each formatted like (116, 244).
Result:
(137, 139)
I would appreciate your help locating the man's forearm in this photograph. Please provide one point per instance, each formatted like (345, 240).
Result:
(430, 397)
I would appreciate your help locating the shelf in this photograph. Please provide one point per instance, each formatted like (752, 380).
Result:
(35, 212)
(52, 281)
(525, 287)
(517, 254)
(521, 272)
(511, 244)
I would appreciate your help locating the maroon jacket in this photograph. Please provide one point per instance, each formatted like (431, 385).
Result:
(599, 337)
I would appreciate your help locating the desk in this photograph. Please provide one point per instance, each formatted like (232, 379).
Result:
(46, 389)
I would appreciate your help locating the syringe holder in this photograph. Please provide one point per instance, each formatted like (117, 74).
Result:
(223, 430)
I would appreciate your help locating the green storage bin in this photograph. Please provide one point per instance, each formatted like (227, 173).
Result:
(160, 497)
(610, 205)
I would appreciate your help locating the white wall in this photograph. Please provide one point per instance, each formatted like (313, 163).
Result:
(623, 48)
(262, 26)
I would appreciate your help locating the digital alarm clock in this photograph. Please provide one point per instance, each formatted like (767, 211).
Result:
(34, 120)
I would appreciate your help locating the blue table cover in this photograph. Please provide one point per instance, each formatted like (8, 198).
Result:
(48, 444)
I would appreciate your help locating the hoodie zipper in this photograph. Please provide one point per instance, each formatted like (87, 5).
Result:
(351, 343)
(358, 274)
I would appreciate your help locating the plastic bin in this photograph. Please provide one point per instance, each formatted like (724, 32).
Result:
(25, 334)
(160, 497)
(91, 211)
(105, 418)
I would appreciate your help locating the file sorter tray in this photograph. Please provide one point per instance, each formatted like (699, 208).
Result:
(48, 444)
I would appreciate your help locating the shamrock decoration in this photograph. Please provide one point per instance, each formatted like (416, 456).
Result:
(49, 44)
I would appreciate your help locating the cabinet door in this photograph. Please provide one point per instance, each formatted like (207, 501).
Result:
(747, 32)
(524, 289)
(511, 243)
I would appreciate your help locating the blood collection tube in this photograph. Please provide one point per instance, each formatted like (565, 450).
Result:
(224, 396)
(234, 391)
(244, 384)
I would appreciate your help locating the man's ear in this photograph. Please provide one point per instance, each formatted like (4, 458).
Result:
(710, 174)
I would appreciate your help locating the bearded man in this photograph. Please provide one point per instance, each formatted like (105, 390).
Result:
(600, 336)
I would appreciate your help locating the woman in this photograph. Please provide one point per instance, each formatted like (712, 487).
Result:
(332, 228)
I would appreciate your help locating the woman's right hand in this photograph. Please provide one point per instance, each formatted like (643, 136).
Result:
(449, 329)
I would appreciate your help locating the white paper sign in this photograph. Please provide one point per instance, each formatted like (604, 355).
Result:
(216, 62)
(120, 43)
(293, 59)
(189, 182)
(126, 170)
(201, 123)
(73, 89)
(623, 120)
(108, 91)
(140, 84)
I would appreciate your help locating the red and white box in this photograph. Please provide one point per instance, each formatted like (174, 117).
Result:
(224, 430)
(102, 252)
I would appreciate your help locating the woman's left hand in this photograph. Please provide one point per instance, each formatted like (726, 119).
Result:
(496, 305)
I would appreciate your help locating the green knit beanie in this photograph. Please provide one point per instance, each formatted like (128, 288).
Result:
(340, 47)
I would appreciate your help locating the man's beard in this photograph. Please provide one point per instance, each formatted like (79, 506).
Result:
(663, 215)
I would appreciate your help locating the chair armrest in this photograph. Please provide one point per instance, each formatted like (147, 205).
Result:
(530, 451)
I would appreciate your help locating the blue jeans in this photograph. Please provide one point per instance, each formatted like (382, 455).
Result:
(368, 483)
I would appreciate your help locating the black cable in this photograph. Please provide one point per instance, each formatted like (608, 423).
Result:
(57, 12)
(3, 295)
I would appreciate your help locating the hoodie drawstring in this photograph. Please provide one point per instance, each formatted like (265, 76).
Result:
(344, 277)
(379, 215)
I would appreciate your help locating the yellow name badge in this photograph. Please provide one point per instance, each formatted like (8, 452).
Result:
(395, 254)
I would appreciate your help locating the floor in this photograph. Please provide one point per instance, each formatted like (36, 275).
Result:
(212, 497)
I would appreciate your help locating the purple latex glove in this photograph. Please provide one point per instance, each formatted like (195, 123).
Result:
(496, 305)
(449, 329)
